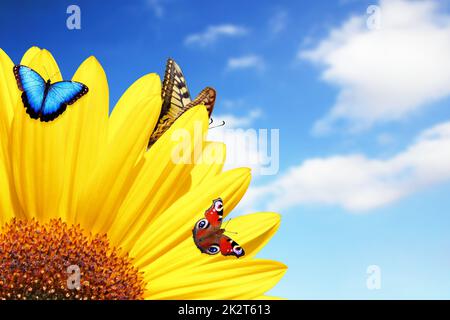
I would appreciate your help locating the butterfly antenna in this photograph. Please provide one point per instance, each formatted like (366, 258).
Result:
(51, 76)
(226, 223)
(217, 126)
(225, 227)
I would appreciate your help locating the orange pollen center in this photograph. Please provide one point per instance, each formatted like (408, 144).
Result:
(57, 261)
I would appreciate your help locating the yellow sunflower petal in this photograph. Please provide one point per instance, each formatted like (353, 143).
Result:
(210, 163)
(245, 279)
(86, 133)
(161, 180)
(143, 88)
(246, 228)
(175, 224)
(29, 55)
(43, 62)
(251, 231)
(38, 150)
(128, 137)
(9, 93)
(7, 208)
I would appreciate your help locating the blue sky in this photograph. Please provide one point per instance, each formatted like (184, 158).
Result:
(365, 184)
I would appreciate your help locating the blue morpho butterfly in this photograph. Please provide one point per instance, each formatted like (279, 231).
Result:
(45, 100)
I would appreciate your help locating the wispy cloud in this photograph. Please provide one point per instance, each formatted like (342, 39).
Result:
(246, 62)
(387, 74)
(278, 21)
(157, 7)
(213, 33)
(357, 182)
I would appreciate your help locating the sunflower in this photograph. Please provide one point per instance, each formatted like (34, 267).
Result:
(83, 191)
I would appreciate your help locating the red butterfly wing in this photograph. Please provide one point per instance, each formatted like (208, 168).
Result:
(215, 213)
(229, 247)
(207, 232)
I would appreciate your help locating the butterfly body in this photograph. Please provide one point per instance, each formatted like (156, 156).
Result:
(45, 100)
(209, 237)
(177, 99)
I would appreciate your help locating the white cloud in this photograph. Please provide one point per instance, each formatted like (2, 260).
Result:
(246, 62)
(384, 75)
(278, 21)
(356, 182)
(213, 33)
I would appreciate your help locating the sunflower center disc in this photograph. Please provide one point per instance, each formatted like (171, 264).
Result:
(57, 261)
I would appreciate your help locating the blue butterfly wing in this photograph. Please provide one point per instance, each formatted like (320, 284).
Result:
(59, 95)
(33, 87)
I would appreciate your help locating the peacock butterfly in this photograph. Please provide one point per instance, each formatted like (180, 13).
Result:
(210, 238)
